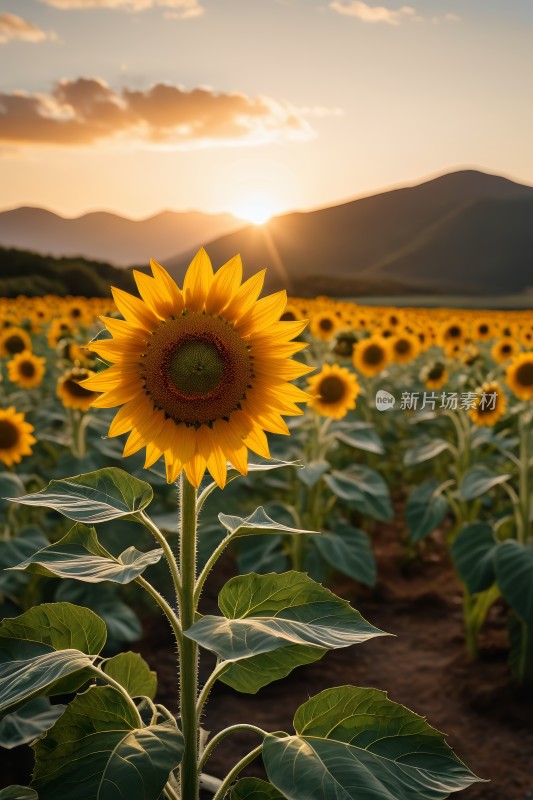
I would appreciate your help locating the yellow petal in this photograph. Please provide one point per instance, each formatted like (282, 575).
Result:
(172, 293)
(262, 314)
(134, 310)
(150, 292)
(245, 297)
(195, 469)
(197, 281)
(225, 284)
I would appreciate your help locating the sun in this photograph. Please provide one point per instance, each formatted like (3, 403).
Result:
(257, 210)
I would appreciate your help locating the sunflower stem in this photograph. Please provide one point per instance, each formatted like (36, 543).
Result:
(189, 650)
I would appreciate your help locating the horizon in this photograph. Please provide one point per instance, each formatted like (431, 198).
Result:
(341, 201)
(320, 101)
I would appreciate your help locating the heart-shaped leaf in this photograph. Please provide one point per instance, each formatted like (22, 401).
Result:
(95, 751)
(474, 551)
(349, 551)
(514, 574)
(266, 614)
(356, 744)
(363, 437)
(133, 673)
(58, 625)
(30, 668)
(363, 489)
(425, 452)
(28, 722)
(258, 521)
(479, 480)
(99, 496)
(426, 509)
(80, 556)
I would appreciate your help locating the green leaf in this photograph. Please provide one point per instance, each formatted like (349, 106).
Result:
(262, 554)
(425, 452)
(28, 722)
(18, 793)
(80, 556)
(426, 509)
(356, 744)
(14, 551)
(514, 575)
(312, 472)
(363, 489)
(133, 673)
(31, 668)
(349, 551)
(253, 789)
(60, 626)
(473, 552)
(258, 521)
(479, 480)
(99, 496)
(95, 751)
(121, 621)
(265, 614)
(362, 436)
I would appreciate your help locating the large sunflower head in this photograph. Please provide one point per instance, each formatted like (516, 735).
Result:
(489, 406)
(519, 376)
(201, 373)
(372, 355)
(15, 436)
(14, 340)
(334, 391)
(70, 391)
(26, 370)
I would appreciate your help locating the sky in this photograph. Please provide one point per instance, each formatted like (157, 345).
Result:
(256, 107)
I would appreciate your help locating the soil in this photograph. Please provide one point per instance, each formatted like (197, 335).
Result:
(488, 720)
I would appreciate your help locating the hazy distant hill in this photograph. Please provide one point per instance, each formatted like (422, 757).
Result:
(463, 232)
(109, 237)
(27, 273)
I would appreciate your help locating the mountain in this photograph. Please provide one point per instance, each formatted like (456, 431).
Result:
(111, 238)
(463, 232)
(22, 272)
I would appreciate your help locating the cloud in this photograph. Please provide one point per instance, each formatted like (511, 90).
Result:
(15, 28)
(182, 9)
(84, 111)
(367, 13)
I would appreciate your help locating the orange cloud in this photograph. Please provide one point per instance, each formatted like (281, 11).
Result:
(367, 13)
(84, 111)
(13, 28)
(183, 9)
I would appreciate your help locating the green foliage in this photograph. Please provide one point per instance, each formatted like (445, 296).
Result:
(80, 556)
(133, 674)
(96, 751)
(106, 494)
(23, 272)
(356, 744)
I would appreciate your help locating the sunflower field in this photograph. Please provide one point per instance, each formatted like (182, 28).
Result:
(194, 478)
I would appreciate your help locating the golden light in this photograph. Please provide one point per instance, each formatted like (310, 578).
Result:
(256, 209)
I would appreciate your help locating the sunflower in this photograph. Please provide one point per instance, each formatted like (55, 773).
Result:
(201, 373)
(15, 437)
(371, 355)
(335, 390)
(26, 370)
(60, 328)
(483, 330)
(435, 376)
(504, 349)
(344, 344)
(291, 313)
(70, 391)
(14, 340)
(324, 324)
(519, 376)
(404, 347)
(452, 332)
(489, 406)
